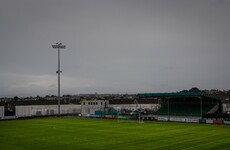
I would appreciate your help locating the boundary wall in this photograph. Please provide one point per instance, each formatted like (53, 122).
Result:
(178, 119)
(46, 110)
(192, 120)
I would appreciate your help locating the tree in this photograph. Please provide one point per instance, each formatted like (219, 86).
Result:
(16, 98)
(194, 89)
(184, 91)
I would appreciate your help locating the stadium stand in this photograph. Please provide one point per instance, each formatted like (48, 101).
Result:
(184, 103)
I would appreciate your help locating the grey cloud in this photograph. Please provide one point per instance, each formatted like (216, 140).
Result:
(115, 46)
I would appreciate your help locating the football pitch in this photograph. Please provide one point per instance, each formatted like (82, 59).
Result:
(72, 133)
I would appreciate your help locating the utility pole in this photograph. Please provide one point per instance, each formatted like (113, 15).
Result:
(168, 109)
(59, 46)
(201, 109)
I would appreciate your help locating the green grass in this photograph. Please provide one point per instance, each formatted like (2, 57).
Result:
(69, 133)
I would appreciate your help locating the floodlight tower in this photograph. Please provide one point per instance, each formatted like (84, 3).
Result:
(59, 46)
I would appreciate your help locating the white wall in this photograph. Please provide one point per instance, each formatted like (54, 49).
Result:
(226, 107)
(179, 119)
(35, 110)
(70, 109)
(2, 111)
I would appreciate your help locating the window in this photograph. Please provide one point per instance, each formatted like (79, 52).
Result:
(83, 103)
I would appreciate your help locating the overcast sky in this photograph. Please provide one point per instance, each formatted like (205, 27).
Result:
(114, 46)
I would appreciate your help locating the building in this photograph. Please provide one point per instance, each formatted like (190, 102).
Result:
(226, 106)
(46, 110)
(88, 107)
(183, 105)
(2, 114)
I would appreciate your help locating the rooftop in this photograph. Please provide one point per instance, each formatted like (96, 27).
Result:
(175, 94)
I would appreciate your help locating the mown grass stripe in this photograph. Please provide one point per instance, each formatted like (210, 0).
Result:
(83, 133)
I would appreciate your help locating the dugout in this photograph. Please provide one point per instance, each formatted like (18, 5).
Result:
(193, 104)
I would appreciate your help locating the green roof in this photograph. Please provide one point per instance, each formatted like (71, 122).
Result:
(176, 94)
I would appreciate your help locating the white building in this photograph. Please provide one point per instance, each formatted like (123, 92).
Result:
(90, 106)
(226, 106)
(40, 110)
(2, 112)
